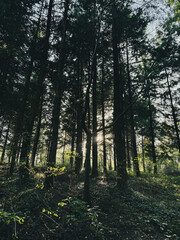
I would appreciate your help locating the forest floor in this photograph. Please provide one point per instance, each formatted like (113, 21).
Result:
(148, 209)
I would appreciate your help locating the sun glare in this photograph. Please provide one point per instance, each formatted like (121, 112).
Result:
(99, 138)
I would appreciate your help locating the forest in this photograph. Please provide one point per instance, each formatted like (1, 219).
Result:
(89, 119)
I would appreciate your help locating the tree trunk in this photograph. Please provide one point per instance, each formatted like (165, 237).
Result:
(20, 118)
(127, 146)
(143, 160)
(1, 128)
(173, 111)
(37, 135)
(24, 158)
(115, 157)
(103, 120)
(64, 147)
(5, 143)
(54, 135)
(133, 134)
(118, 107)
(94, 103)
(49, 181)
(87, 161)
(110, 163)
(152, 134)
(78, 159)
(87, 170)
(72, 146)
(19, 149)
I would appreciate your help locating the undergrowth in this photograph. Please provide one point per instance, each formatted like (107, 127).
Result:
(148, 209)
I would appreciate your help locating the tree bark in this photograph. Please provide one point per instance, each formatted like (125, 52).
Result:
(1, 128)
(94, 103)
(143, 160)
(103, 120)
(37, 135)
(173, 111)
(72, 146)
(49, 181)
(64, 148)
(79, 94)
(152, 134)
(20, 117)
(133, 134)
(118, 107)
(115, 156)
(5, 143)
(87, 161)
(127, 146)
(24, 158)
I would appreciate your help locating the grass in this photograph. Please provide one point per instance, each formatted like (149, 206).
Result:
(148, 209)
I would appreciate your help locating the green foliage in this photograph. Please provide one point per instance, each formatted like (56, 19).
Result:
(73, 217)
(176, 5)
(6, 217)
(71, 154)
(55, 171)
(150, 205)
(10, 217)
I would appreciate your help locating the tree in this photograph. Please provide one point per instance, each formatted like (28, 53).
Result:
(58, 96)
(118, 105)
(25, 152)
(5, 142)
